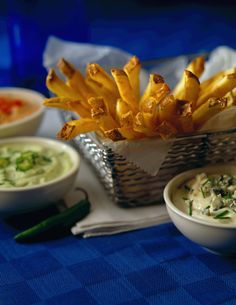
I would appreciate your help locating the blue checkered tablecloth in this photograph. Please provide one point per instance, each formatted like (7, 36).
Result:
(150, 266)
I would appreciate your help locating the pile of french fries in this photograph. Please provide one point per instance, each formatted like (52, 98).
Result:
(112, 105)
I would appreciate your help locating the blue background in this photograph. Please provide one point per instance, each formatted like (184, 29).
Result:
(149, 29)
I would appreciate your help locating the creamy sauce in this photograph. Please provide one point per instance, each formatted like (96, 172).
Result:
(14, 109)
(208, 197)
(27, 165)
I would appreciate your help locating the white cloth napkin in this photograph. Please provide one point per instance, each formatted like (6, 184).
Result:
(105, 217)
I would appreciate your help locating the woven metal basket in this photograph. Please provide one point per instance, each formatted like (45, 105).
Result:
(130, 186)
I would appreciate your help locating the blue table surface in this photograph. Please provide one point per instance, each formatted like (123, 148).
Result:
(150, 266)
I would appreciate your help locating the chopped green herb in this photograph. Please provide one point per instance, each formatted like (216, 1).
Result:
(185, 198)
(24, 164)
(203, 193)
(187, 188)
(29, 154)
(227, 196)
(4, 162)
(208, 207)
(208, 180)
(222, 215)
(190, 207)
(46, 159)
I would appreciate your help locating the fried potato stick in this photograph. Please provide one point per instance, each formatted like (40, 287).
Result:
(216, 78)
(125, 90)
(99, 112)
(218, 89)
(126, 129)
(188, 89)
(76, 81)
(73, 128)
(58, 87)
(99, 75)
(208, 110)
(132, 69)
(69, 104)
(196, 66)
(166, 130)
(100, 90)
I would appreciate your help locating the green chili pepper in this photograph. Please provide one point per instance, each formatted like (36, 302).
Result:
(24, 164)
(65, 219)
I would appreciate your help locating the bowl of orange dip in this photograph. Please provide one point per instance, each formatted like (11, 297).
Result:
(21, 111)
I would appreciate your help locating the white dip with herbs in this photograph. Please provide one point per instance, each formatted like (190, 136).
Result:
(24, 165)
(208, 197)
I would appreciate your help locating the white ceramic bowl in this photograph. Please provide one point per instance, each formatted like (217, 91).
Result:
(28, 125)
(216, 237)
(20, 199)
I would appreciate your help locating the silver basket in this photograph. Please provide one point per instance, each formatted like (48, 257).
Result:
(130, 186)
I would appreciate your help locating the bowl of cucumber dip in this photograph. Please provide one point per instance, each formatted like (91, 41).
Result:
(202, 204)
(35, 172)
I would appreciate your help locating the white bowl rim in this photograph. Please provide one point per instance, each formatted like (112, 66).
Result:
(29, 117)
(72, 152)
(170, 187)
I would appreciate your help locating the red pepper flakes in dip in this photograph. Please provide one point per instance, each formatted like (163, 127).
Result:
(13, 109)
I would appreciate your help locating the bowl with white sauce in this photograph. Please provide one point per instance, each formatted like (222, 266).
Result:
(35, 172)
(202, 205)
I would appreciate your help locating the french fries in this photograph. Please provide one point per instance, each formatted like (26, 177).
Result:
(197, 66)
(113, 106)
(132, 69)
(71, 129)
(218, 89)
(125, 89)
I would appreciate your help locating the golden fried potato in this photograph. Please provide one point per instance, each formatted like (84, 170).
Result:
(73, 128)
(113, 107)
(167, 109)
(156, 88)
(125, 89)
(109, 98)
(99, 75)
(58, 87)
(76, 81)
(132, 69)
(186, 124)
(114, 135)
(121, 108)
(58, 102)
(188, 89)
(166, 130)
(217, 89)
(141, 127)
(208, 110)
(216, 78)
(67, 103)
(100, 113)
(197, 66)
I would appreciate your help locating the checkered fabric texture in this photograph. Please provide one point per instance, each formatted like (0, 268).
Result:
(150, 266)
